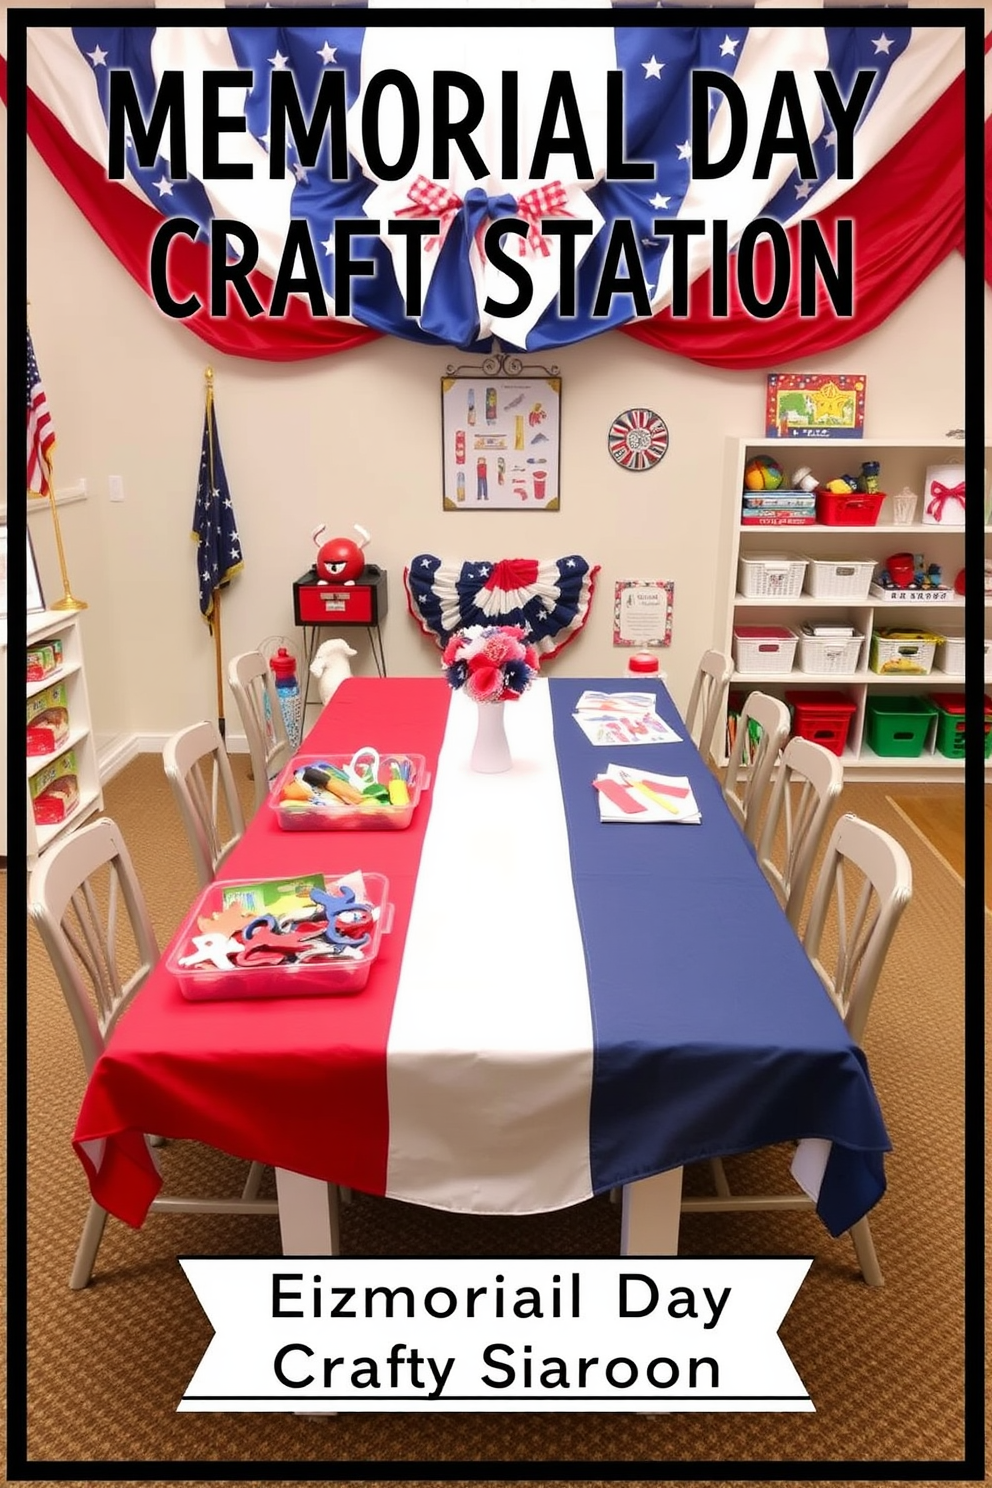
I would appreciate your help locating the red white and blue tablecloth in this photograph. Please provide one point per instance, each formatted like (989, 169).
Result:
(560, 1007)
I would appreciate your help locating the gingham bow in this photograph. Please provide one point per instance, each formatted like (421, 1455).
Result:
(430, 199)
(541, 201)
(939, 494)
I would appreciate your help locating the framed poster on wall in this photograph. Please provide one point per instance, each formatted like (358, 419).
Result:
(642, 612)
(501, 437)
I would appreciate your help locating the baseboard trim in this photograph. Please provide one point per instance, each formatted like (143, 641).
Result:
(116, 752)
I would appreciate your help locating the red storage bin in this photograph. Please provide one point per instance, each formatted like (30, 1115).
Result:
(823, 717)
(848, 508)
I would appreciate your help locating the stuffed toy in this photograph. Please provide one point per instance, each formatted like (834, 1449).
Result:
(331, 666)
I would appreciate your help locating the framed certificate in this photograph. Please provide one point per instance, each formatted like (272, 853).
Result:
(642, 612)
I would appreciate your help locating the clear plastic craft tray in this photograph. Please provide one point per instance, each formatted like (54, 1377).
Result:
(326, 813)
(335, 977)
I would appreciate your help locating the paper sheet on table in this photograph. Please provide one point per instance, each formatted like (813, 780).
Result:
(622, 718)
(660, 798)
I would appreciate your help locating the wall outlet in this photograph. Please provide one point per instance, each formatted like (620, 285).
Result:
(116, 488)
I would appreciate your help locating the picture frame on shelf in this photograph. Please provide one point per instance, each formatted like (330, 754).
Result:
(501, 437)
(815, 405)
(35, 596)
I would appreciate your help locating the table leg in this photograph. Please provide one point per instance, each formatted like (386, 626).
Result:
(308, 1215)
(375, 645)
(650, 1216)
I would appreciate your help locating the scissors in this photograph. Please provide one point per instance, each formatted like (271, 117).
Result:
(364, 766)
(338, 906)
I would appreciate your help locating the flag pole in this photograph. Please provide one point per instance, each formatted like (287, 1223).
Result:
(215, 611)
(68, 600)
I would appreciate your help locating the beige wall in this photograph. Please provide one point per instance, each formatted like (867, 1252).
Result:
(355, 438)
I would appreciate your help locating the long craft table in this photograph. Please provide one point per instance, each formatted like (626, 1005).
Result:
(562, 1006)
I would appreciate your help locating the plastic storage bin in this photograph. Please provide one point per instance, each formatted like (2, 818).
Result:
(326, 976)
(324, 813)
(771, 575)
(825, 654)
(839, 578)
(848, 509)
(823, 717)
(898, 726)
(764, 648)
(950, 738)
(949, 657)
(904, 652)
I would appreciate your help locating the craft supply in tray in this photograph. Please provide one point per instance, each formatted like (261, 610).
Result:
(342, 792)
(315, 936)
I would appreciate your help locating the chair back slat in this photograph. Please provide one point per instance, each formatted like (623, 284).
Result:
(748, 776)
(269, 744)
(87, 905)
(865, 884)
(199, 772)
(808, 782)
(707, 699)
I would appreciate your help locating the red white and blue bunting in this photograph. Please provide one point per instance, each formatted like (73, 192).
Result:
(591, 138)
(548, 598)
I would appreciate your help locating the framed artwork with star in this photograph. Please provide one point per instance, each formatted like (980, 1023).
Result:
(501, 442)
(815, 405)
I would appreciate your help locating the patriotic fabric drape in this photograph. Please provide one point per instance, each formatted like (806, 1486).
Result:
(905, 197)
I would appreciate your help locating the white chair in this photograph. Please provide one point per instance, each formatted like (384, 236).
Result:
(707, 699)
(864, 884)
(269, 743)
(803, 792)
(753, 758)
(199, 771)
(101, 960)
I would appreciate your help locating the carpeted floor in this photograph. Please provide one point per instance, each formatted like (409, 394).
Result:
(105, 1367)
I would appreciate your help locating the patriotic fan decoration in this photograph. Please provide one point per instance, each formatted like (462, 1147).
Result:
(638, 439)
(547, 599)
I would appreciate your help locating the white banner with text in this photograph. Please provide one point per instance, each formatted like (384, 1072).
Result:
(630, 1333)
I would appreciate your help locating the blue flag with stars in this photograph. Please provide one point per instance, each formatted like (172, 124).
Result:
(218, 546)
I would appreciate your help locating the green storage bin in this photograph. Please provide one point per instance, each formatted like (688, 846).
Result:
(898, 726)
(950, 724)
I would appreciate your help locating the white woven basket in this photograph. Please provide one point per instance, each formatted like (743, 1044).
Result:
(839, 578)
(826, 655)
(754, 655)
(771, 576)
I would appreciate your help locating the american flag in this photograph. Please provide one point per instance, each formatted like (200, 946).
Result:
(218, 552)
(41, 431)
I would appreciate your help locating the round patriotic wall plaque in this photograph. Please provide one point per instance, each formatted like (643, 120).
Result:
(638, 439)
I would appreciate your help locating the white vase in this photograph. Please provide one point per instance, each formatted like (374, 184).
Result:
(491, 750)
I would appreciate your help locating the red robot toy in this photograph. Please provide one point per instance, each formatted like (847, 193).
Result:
(340, 560)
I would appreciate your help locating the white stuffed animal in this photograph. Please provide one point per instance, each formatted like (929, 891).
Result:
(331, 666)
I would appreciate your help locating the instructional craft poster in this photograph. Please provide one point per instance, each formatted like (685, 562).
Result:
(642, 612)
(500, 441)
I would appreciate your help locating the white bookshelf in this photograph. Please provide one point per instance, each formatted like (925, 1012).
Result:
(903, 463)
(65, 626)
